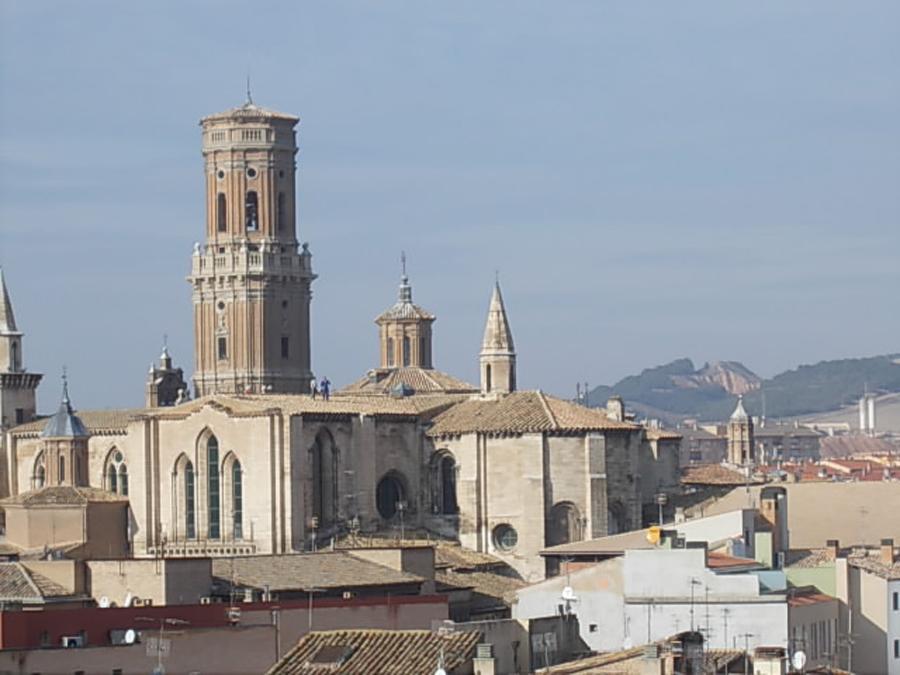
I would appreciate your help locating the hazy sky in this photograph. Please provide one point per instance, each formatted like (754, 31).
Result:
(653, 180)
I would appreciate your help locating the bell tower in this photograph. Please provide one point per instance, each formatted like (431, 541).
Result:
(251, 280)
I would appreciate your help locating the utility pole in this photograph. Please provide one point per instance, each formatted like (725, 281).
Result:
(747, 637)
(309, 616)
(725, 613)
(694, 582)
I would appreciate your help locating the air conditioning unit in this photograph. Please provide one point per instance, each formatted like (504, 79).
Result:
(72, 641)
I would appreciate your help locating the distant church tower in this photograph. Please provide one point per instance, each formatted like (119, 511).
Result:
(251, 285)
(405, 331)
(498, 354)
(17, 387)
(740, 436)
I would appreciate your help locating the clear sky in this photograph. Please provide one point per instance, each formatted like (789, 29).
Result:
(652, 180)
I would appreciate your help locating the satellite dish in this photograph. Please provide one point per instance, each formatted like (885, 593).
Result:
(568, 594)
(103, 602)
(798, 660)
(130, 636)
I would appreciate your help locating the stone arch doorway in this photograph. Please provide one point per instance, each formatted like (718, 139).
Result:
(563, 524)
(390, 494)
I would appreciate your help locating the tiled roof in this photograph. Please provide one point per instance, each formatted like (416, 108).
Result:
(843, 446)
(713, 474)
(787, 430)
(662, 435)
(716, 560)
(95, 421)
(498, 587)
(870, 560)
(63, 495)
(17, 583)
(301, 571)
(806, 596)
(419, 380)
(377, 652)
(809, 558)
(522, 412)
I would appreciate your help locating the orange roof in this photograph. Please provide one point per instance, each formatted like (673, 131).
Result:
(720, 561)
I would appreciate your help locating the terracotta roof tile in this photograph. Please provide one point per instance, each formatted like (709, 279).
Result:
(63, 495)
(381, 652)
(96, 421)
(295, 572)
(713, 474)
(418, 380)
(522, 412)
(17, 583)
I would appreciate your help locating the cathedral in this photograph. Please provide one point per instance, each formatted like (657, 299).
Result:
(256, 462)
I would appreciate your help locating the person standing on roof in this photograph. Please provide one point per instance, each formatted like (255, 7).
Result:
(325, 388)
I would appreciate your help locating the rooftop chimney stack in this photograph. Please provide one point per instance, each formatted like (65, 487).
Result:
(834, 548)
(887, 552)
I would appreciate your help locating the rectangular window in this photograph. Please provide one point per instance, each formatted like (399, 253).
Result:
(20, 419)
(279, 216)
(896, 601)
(285, 348)
(222, 343)
(897, 649)
(221, 213)
(251, 212)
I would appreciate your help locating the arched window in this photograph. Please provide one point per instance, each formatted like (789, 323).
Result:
(212, 488)
(221, 213)
(443, 481)
(390, 352)
(390, 495)
(324, 468)
(487, 377)
(237, 500)
(279, 215)
(251, 211)
(190, 516)
(116, 474)
(14, 356)
(123, 480)
(62, 470)
(39, 475)
(406, 351)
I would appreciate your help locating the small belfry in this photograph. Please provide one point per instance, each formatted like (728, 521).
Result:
(65, 445)
(251, 279)
(405, 330)
(498, 353)
(17, 386)
(740, 436)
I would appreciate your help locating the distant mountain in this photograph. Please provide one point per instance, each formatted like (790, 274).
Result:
(676, 390)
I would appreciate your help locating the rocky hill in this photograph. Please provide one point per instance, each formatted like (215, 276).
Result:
(677, 390)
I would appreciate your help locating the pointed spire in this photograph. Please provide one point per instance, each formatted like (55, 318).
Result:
(497, 335)
(65, 423)
(7, 318)
(739, 414)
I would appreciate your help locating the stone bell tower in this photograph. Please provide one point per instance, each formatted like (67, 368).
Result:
(251, 280)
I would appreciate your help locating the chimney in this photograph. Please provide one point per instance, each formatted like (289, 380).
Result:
(887, 552)
(615, 409)
(834, 548)
(484, 663)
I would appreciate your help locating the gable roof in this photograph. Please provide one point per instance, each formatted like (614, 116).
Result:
(19, 584)
(522, 412)
(381, 652)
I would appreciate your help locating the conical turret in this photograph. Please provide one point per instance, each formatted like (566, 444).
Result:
(498, 353)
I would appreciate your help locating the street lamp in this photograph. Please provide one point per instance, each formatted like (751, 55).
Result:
(661, 500)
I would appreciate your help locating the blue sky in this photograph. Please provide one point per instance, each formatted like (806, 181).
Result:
(652, 180)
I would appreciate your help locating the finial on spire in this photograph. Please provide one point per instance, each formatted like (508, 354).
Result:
(249, 96)
(65, 381)
(403, 264)
(497, 277)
